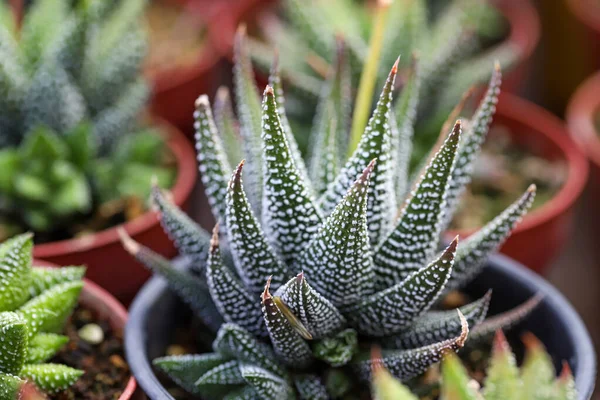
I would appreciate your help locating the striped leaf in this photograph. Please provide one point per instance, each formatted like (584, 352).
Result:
(316, 313)
(310, 387)
(337, 350)
(289, 214)
(337, 261)
(51, 378)
(13, 345)
(43, 278)
(254, 258)
(395, 308)
(186, 369)
(287, 342)
(15, 271)
(227, 126)
(267, 385)
(414, 239)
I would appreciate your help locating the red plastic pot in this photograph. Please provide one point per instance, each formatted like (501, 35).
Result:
(103, 304)
(108, 264)
(539, 238)
(582, 113)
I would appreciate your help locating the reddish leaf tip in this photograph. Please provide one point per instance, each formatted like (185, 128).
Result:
(565, 374)
(268, 91)
(214, 240)
(266, 295)
(531, 342)
(500, 344)
(464, 330)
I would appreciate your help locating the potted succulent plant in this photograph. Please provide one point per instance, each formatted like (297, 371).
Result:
(290, 289)
(66, 350)
(76, 159)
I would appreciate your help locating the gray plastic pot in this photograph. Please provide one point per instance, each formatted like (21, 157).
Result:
(156, 311)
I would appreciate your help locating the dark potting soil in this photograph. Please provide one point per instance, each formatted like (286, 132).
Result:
(106, 372)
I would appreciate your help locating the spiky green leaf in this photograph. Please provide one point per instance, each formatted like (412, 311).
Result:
(502, 380)
(395, 308)
(267, 385)
(385, 386)
(15, 271)
(455, 380)
(43, 278)
(227, 126)
(10, 386)
(537, 371)
(51, 378)
(43, 346)
(414, 239)
(310, 387)
(316, 313)
(13, 345)
(289, 213)
(186, 369)
(224, 374)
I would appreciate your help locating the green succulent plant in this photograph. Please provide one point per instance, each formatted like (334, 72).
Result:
(504, 380)
(35, 303)
(72, 93)
(301, 274)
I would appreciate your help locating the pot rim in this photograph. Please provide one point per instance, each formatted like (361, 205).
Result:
(181, 190)
(525, 25)
(549, 128)
(135, 335)
(582, 108)
(584, 11)
(91, 296)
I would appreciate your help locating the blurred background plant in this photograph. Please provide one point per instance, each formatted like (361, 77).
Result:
(74, 156)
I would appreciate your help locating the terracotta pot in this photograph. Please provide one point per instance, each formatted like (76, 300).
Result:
(544, 231)
(157, 311)
(108, 264)
(98, 300)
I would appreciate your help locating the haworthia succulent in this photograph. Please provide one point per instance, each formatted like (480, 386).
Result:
(51, 378)
(212, 159)
(253, 256)
(384, 385)
(13, 345)
(393, 309)
(43, 278)
(194, 292)
(310, 387)
(224, 374)
(338, 261)
(236, 342)
(502, 380)
(249, 112)
(413, 240)
(227, 126)
(337, 350)
(312, 24)
(316, 313)
(43, 346)
(435, 326)
(376, 142)
(188, 236)
(186, 369)
(472, 253)
(405, 364)
(15, 277)
(245, 393)
(10, 386)
(287, 342)
(267, 385)
(289, 213)
(234, 302)
(457, 381)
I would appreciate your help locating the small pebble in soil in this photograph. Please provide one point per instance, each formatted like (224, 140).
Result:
(91, 333)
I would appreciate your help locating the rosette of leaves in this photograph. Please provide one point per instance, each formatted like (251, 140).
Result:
(302, 274)
(35, 303)
(504, 380)
(72, 92)
(456, 41)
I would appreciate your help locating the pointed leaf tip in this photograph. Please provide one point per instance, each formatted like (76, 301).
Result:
(500, 344)
(237, 175)
(531, 342)
(202, 101)
(532, 188)
(241, 31)
(464, 331)
(214, 240)
(565, 373)
(395, 66)
(269, 91)
(266, 295)
(130, 245)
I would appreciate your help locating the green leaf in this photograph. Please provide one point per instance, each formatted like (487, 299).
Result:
(250, 116)
(80, 145)
(395, 308)
(289, 213)
(537, 372)
(310, 387)
(312, 25)
(414, 239)
(475, 250)
(267, 385)
(502, 380)
(234, 302)
(13, 345)
(287, 342)
(43, 278)
(405, 364)
(337, 350)
(49, 311)
(245, 393)
(189, 237)
(455, 380)
(10, 160)
(236, 342)
(375, 143)
(43, 346)
(51, 378)
(10, 386)
(193, 291)
(15, 271)
(435, 326)
(338, 260)
(565, 384)
(385, 386)
(186, 369)
(220, 379)
(254, 258)
(227, 126)
(214, 167)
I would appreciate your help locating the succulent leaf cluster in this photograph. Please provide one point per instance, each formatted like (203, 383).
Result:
(504, 380)
(35, 303)
(72, 93)
(300, 276)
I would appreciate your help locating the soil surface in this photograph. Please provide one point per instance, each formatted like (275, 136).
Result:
(106, 372)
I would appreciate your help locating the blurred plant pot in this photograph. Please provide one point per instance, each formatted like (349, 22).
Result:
(539, 238)
(588, 13)
(108, 264)
(582, 120)
(105, 306)
(156, 312)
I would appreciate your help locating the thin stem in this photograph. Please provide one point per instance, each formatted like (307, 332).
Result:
(364, 97)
